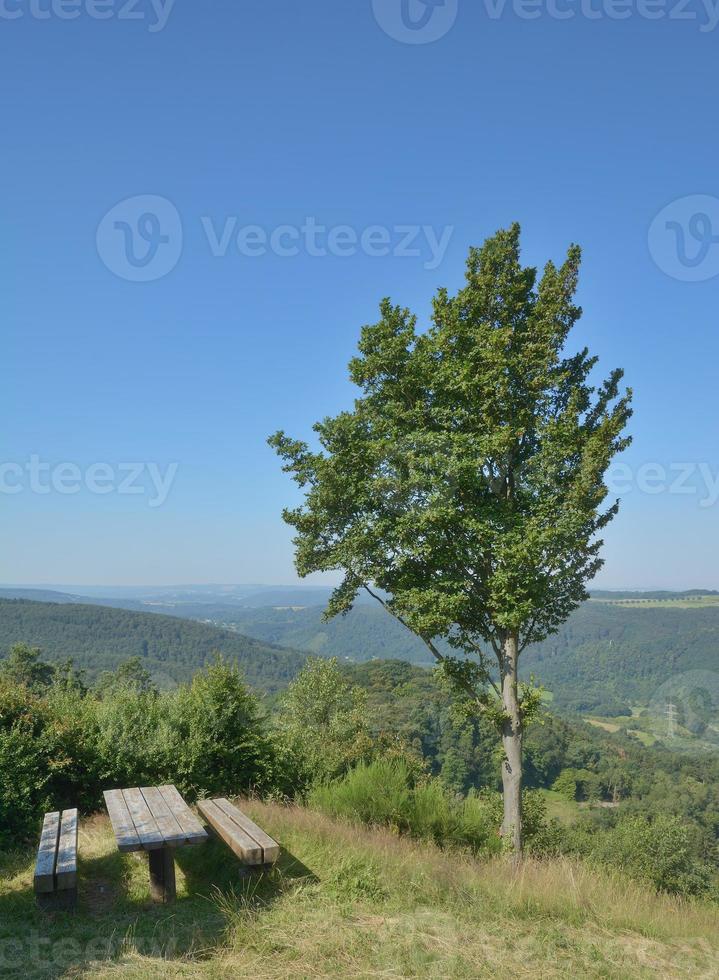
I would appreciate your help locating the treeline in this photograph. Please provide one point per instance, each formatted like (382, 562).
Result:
(381, 745)
(603, 659)
(99, 638)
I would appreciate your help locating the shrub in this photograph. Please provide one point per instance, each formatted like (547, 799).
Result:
(373, 793)
(566, 784)
(386, 792)
(212, 737)
(657, 850)
(323, 725)
(38, 763)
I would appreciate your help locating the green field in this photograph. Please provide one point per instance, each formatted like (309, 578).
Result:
(681, 602)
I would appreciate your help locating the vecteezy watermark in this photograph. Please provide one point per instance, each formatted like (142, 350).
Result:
(424, 21)
(38, 476)
(415, 21)
(141, 239)
(682, 479)
(51, 956)
(318, 241)
(685, 710)
(684, 238)
(155, 13)
(705, 12)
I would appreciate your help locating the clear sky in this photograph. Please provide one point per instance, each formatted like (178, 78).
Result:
(173, 337)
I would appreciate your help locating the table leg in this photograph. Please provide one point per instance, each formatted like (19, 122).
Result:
(162, 875)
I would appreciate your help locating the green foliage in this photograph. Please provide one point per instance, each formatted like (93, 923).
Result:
(129, 674)
(658, 850)
(99, 639)
(467, 483)
(43, 764)
(214, 735)
(23, 666)
(323, 722)
(62, 749)
(386, 793)
(566, 784)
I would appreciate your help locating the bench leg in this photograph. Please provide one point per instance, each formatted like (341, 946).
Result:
(162, 875)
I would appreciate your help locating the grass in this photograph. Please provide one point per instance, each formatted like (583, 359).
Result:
(607, 726)
(349, 902)
(559, 807)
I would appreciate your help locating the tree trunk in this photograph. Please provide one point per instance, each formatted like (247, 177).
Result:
(512, 743)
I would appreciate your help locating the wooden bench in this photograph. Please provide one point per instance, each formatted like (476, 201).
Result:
(248, 841)
(55, 879)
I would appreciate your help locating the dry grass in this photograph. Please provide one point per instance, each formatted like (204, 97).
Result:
(353, 902)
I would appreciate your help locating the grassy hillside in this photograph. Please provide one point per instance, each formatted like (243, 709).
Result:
(99, 638)
(349, 902)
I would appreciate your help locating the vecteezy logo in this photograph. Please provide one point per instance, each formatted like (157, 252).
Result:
(140, 239)
(415, 21)
(684, 238)
(685, 709)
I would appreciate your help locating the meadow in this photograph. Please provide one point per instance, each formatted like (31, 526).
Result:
(349, 901)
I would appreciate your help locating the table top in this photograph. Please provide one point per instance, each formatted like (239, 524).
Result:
(150, 817)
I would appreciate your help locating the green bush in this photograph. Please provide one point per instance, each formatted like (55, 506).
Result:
(61, 748)
(657, 850)
(386, 792)
(373, 793)
(322, 725)
(212, 736)
(42, 763)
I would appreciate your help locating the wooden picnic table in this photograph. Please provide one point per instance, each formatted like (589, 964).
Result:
(155, 819)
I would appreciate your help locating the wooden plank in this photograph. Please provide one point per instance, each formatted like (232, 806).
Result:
(270, 848)
(66, 867)
(233, 835)
(44, 880)
(167, 823)
(125, 834)
(145, 826)
(193, 830)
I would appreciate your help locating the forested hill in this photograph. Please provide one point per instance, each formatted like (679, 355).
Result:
(607, 652)
(627, 652)
(98, 638)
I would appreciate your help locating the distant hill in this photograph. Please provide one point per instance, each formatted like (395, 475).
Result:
(39, 595)
(99, 638)
(617, 649)
(606, 652)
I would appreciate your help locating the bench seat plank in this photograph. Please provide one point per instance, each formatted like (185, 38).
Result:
(66, 866)
(44, 880)
(121, 820)
(145, 826)
(270, 848)
(247, 849)
(193, 830)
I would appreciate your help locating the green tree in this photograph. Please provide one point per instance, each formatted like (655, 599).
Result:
(129, 674)
(24, 666)
(324, 722)
(465, 490)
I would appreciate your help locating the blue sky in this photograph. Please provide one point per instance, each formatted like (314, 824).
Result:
(267, 114)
